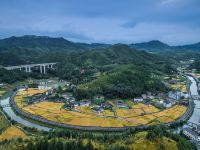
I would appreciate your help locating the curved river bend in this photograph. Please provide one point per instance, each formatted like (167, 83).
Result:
(13, 116)
(194, 118)
(194, 92)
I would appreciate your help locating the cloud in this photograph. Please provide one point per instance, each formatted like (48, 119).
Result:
(110, 21)
(166, 2)
(129, 24)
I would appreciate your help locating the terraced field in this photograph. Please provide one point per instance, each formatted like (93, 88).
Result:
(137, 114)
(54, 112)
(11, 133)
(21, 95)
(2, 92)
(3, 121)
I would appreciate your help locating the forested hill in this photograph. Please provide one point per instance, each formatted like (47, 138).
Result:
(45, 43)
(153, 46)
(35, 49)
(158, 46)
(117, 71)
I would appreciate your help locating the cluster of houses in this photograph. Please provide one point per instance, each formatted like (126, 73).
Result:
(173, 98)
(164, 100)
(71, 103)
(193, 133)
(1, 84)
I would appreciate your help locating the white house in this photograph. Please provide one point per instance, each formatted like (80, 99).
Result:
(185, 95)
(175, 95)
(161, 101)
(139, 99)
(191, 134)
(44, 87)
(144, 96)
(85, 103)
(22, 88)
(167, 104)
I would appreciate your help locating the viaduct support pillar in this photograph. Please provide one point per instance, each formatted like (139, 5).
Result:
(29, 69)
(44, 69)
(41, 69)
(26, 69)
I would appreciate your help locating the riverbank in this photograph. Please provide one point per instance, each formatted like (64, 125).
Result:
(8, 110)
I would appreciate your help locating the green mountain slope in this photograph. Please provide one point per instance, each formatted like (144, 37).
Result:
(117, 71)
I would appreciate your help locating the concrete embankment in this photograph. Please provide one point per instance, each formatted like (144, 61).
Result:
(183, 118)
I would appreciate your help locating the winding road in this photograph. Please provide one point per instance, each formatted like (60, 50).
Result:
(9, 111)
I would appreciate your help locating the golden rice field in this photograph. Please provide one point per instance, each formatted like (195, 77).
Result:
(197, 75)
(19, 98)
(54, 112)
(11, 133)
(138, 114)
(2, 92)
(3, 121)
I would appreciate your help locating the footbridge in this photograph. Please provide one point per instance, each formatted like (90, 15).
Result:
(28, 67)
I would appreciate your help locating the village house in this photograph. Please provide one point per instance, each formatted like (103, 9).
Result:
(191, 134)
(106, 105)
(66, 95)
(185, 95)
(173, 81)
(37, 98)
(1, 84)
(167, 104)
(22, 88)
(97, 109)
(85, 103)
(144, 96)
(175, 95)
(44, 87)
(70, 105)
(99, 97)
(121, 104)
(139, 99)
(71, 99)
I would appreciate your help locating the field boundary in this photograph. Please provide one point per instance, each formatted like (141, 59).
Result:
(183, 118)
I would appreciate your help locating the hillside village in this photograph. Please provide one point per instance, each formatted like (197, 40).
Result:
(58, 91)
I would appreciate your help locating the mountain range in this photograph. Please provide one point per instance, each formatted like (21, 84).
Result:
(45, 43)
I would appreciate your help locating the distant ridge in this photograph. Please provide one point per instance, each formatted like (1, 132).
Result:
(154, 45)
(45, 43)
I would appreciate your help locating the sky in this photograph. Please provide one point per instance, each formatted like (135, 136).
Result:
(175, 22)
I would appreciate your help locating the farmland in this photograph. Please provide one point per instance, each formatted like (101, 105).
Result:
(3, 121)
(21, 95)
(2, 92)
(12, 132)
(135, 114)
(130, 117)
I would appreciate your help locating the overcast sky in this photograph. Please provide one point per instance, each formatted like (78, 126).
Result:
(109, 21)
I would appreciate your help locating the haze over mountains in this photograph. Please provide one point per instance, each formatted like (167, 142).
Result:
(45, 43)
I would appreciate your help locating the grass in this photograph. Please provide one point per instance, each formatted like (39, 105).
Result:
(11, 133)
(2, 92)
(3, 121)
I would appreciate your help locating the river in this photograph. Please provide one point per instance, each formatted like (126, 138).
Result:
(194, 118)
(194, 91)
(13, 116)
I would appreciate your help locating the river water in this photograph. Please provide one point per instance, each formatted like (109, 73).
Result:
(195, 118)
(13, 116)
